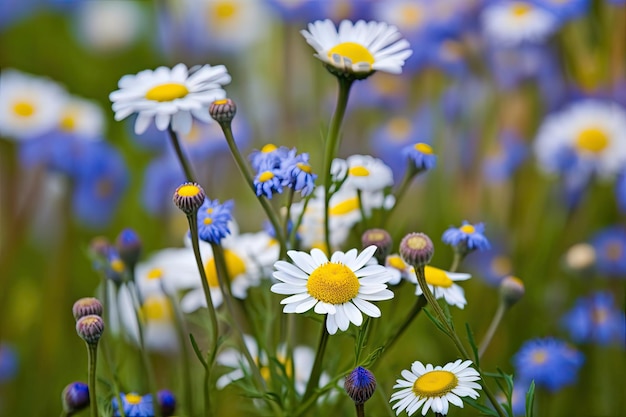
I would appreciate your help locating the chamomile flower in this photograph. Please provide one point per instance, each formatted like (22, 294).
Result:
(341, 287)
(358, 49)
(399, 269)
(442, 284)
(367, 173)
(169, 96)
(435, 388)
(512, 23)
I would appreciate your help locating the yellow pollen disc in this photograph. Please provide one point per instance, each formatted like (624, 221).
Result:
(435, 384)
(225, 10)
(501, 265)
(270, 147)
(375, 236)
(353, 51)
(424, 148)
(539, 356)
(23, 109)
(411, 15)
(416, 242)
(188, 190)
(437, 277)
(209, 210)
(156, 308)
(167, 92)
(467, 228)
(234, 265)
(155, 273)
(614, 251)
(333, 283)
(266, 176)
(345, 207)
(118, 266)
(304, 167)
(359, 171)
(68, 122)
(220, 102)
(592, 140)
(520, 9)
(396, 262)
(399, 127)
(133, 399)
(207, 221)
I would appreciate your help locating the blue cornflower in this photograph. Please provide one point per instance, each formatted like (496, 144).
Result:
(134, 405)
(595, 319)
(8, 362)
(75, 397)
(167, 402)
(268, 181)
(269, 157)
(550, 362)
(610, 247)
(213, 219)
(298, 175)
(422, 156)
(466, 238)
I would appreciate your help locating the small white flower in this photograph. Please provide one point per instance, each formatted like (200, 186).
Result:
(358, 48)
(341, 287)
(435, 388)
(169, 96)
(367, 173)
(399, 269)
(441, 284)
(107, 26)
(29, 105)
(82, 117)
(510, 23)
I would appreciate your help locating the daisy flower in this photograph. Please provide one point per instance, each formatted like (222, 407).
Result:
(399, 269)
(588, 136)
(341, 287)
(169, 96)
(511, 23)
(358, 49)
(368, 173)
(441, 284)
(434, 388)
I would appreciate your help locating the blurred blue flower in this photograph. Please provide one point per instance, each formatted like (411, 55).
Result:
(213, 219)
(421, 155)
(134, 405)
(296, 11)
(550, 362)
(167, 402)
(8, 362)
(510, 153)
(268, 157)
(161, 178)
(610, 247)
(297, 174)
(596, 319)
(467, 238)
(491, 265)
(75, 397)
(58, 151)
(566, 10)
(620, 191)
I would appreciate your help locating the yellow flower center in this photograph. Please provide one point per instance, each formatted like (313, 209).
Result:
(156, 308)
(225, 10)
(207, 221)
(359, 171)
(501, 265)
(592, 140)
(23, 109)
(68, 122)
(539, 356)
(345, 207)
(437, 277)
(266, 176)
(520, 9)
(188, 190)
(416, 242)
(333, 283)
(375, 236)
(353, 51)
(155, 273)
(399, 128)
(133, 399)
(220, 102)
(435, 384)
(396, 262)
(270, 147)
(304, 167)
(424, 148)
(167, 92)
(468, 229)
(118, 266)
(234, 265)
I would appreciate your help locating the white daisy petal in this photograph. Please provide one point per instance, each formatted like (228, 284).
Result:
(331, 324)
(367, 307)
(306, 305)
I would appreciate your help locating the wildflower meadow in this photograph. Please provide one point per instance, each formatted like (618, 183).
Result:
(312, 208)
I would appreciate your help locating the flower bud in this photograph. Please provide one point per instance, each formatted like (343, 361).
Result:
(90, 328)
(75, 397)
(379, 238)
(416, 249)
(128, 246)
(360, 385)
(511, 290)
(189, 197)
(87, 306)
(223, 111)
(166, 402)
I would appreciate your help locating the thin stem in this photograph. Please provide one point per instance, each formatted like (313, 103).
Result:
(288, 213)
(456, 261)
(316, 372)
(92, 357)
(409, 174)
(180, 154)
(332, 146)
(247, 174)
(360, 410)
(108, 363)
(492, 329)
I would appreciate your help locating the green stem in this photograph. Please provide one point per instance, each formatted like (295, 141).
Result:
(288, 213)
(92, 356)
(108, 364)
(456, 261)
(409, 174)
(247, 174)
(332, 146)
(497, 318)
(360, 410)
(316, 372)
(180, 154)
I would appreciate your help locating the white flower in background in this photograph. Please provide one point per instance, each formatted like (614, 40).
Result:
(511, 23)
(29, 105)
(81, 117)
(442, 284)
(341, 287)
(399, 269)
(358, 48)
(588, 136)
(367, 173)
(169, 96)
(249, 257)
